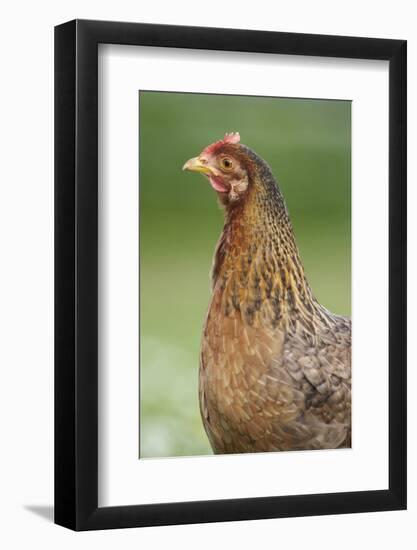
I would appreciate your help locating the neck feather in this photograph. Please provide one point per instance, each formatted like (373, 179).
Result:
(257, 266)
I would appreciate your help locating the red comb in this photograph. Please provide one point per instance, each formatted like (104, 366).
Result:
(233, 137)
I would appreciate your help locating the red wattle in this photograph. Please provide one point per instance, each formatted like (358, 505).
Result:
(217, 184)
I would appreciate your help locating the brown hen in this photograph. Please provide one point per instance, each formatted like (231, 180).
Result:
(275, 370)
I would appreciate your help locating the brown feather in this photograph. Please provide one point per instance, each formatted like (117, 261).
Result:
(275, 370)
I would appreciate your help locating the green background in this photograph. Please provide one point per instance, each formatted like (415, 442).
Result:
(307, 143)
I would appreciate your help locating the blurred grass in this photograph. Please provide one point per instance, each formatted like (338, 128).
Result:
(307, 144)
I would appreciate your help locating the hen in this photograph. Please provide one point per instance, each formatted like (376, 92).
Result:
(275, 369)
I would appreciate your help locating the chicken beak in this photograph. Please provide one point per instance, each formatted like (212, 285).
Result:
(196, 165)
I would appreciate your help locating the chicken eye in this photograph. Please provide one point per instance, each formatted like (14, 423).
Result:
(226, 163)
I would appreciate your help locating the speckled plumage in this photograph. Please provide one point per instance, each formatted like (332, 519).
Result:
(275, 369)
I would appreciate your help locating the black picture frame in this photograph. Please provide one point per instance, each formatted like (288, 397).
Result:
(76, 272)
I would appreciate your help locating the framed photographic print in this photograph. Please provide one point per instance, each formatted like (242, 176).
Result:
(230, 338)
